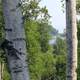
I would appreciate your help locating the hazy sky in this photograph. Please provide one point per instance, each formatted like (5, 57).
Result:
(55, 10)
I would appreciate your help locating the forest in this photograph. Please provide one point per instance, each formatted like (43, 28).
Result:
(25, 49)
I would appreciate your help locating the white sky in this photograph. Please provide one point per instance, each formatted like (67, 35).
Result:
(55, 10)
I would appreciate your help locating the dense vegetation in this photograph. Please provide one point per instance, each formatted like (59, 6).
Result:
(46, 62)
(78, 35)
(78, 51)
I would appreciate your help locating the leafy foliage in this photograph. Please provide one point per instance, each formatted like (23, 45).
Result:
(78, 6)
(41, 60)
(2, 56)
(60, 53)
(78, 50)
(46, 62)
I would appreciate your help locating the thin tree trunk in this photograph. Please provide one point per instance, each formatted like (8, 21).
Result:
(71, 29)
(14, 32)
(0, 70)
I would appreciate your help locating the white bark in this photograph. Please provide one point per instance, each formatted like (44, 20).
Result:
(71, 29)
(14, 32)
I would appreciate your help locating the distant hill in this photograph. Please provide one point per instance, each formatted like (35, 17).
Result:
(54, 33)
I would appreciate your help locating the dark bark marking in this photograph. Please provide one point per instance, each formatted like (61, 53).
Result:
(18, 39)
(11, 50)
(6, 29)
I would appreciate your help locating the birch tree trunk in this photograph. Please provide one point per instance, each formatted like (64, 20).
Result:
(14, 32)
(71, 29)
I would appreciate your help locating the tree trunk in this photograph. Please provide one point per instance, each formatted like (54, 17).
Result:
(71, 29)
(0, 70)
(14, 32)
